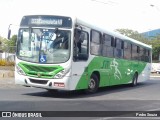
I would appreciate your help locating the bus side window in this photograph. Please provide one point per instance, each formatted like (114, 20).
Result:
(95, 42)
(135, 52)
(127, 50)
(147, 56)
(118, 51)
(107, 45)
(80, 51)
(141, 54)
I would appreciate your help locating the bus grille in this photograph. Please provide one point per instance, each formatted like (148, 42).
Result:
(38, 81)
(40, 71)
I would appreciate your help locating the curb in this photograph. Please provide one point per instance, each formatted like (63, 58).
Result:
(155, 76)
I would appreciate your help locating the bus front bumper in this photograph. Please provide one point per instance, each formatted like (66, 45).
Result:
(59, 84)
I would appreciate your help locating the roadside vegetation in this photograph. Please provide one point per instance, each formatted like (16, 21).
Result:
(7, 46)
(4, 62)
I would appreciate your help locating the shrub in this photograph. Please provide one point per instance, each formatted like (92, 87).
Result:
(4, 62)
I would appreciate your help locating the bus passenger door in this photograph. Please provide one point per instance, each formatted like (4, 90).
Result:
(80, 59)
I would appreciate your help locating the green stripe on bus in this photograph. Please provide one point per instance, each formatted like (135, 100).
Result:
(112, 71)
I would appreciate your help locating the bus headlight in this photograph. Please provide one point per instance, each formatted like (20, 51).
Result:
(61, 74)
(19, 70)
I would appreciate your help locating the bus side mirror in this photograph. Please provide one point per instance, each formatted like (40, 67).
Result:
(9, 34)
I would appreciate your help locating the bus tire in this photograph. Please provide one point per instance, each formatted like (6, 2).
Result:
(93, 84)
(134, 80)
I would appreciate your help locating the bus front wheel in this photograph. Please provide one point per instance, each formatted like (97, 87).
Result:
(93, 84)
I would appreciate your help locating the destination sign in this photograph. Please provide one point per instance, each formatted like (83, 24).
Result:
(46, 21)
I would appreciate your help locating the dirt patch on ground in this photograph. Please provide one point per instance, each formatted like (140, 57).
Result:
(6, 71)
(7, 68)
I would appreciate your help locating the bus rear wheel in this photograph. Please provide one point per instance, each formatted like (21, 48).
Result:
(134, 80)
(93, 84)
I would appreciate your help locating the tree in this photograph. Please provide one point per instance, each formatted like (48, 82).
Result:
(133, 34)
(8, 45)
(12, 43)
(1, 45)
(155, 42)
(13, 40)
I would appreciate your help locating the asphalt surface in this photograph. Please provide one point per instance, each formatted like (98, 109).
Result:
(144, 97)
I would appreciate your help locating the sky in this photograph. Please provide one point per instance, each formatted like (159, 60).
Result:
(138, 15)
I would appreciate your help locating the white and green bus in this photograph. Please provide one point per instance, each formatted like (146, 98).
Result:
(67, 53)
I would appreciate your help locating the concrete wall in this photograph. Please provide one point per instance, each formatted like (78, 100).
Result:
(8, 56)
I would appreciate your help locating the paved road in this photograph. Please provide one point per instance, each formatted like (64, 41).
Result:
(144, 97)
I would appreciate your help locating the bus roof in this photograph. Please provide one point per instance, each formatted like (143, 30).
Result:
(96, 26)
(111, 32)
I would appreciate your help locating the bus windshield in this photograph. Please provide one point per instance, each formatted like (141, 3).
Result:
(45, 46)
